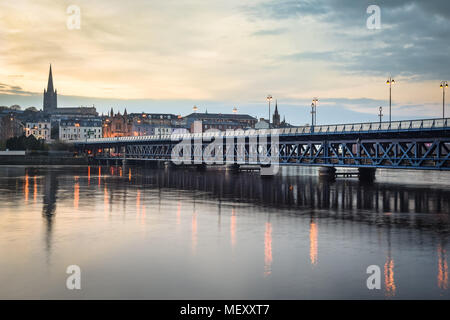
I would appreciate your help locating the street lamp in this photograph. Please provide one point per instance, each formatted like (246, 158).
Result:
(444, 85)
(314, 103)
(195, 109)
(380, 114)
(234, 110)
(312, 114)
(390, 81)
(269, 98)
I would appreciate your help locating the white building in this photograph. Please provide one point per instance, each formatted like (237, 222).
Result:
(40, 130)
(79, 129)
(163, 130)
(262, 124)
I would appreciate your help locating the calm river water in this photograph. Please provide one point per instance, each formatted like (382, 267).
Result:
(186, 234)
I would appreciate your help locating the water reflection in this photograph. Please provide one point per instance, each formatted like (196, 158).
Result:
(76, 193)
(268, 249)
(178, 213)
(313, 242)
(49, 207)
(402, 215)
(194, 232)
(35, 192)
(389, 282)
(26, 187)
(233, 228)
(442, 267)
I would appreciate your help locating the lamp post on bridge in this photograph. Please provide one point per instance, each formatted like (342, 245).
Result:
(314, 111)
(269, 98)
(390, 81)
(443, 86)
(380, 114)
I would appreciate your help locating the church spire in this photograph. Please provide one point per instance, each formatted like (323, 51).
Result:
(276, 116)
(50, 96)
(50, 80)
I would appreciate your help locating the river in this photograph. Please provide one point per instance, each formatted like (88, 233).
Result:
(177, 233)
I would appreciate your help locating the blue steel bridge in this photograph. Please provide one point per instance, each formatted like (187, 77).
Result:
(413, 144)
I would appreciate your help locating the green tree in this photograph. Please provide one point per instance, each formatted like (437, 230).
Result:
(26, 143)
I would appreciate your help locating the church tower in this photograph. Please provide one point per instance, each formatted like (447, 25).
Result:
(50, 102)
(276, 116)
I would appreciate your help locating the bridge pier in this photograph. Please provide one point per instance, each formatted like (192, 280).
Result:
(327, 172)
(266, 172)
(153, 164)
(168, 164)
(232, 167)
(200, 167)
(367, 174)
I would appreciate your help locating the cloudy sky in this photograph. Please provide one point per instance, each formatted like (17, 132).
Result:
(168, 55)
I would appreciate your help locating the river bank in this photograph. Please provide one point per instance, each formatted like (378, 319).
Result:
(49, 158)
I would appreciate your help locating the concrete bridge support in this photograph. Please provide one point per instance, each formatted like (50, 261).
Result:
(232, 168)
(367, 174)
(200, 167)
(327, 172)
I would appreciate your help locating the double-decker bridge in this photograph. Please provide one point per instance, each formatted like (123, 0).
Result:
(413, 144)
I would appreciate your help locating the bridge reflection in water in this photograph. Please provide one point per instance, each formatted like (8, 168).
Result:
(393, 214)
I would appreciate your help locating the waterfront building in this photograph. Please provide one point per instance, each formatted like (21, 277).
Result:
(166, 119)
(262, 124)
(117, 125)
(141, 124)
(40, 129)
(80, 129)
(220, 121)
(10, 126)
(163, 130)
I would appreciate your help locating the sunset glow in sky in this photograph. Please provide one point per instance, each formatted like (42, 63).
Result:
(166, 56)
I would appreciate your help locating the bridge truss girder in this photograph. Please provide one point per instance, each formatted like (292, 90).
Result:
(409, 153)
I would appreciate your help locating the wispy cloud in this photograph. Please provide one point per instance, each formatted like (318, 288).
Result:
(217, 51)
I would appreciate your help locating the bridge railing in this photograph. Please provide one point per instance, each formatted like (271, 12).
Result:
(368, 127)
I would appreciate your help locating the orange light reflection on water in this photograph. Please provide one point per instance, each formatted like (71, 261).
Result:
(313, 232)
(389, 281)
(76, 193)
(233, 228)
(35, 189)
(442, 277)
(26, 190)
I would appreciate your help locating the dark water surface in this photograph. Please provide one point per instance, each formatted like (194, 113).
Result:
(184, 234)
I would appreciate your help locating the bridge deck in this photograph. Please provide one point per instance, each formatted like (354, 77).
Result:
(415, 144)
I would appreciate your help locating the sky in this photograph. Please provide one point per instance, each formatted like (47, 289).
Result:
(169, 55)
